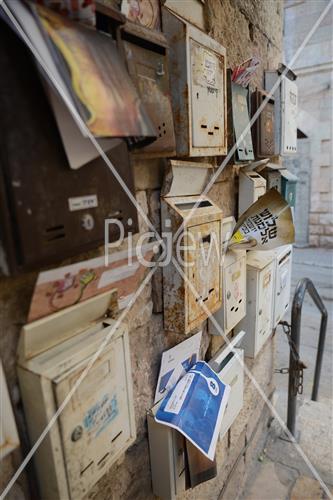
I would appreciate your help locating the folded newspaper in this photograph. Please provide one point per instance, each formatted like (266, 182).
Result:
(195, 407)
(265, 225)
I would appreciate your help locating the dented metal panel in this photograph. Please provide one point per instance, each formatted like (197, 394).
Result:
(198, 88)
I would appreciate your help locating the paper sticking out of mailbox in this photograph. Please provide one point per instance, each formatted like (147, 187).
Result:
(195, 407)
(265, 225)
(89, 72)
(175, 363)
(243, 74)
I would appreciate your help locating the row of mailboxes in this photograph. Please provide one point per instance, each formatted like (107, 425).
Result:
(167, 447)
(95, 416)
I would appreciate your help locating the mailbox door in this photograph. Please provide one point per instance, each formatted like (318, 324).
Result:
(232, 374)
(204, 270)
(234, 284)
(95, 424)
(288, 116)
(207, 96)
(149, 71)
(282, 287)
(240, 116)
(264, 304)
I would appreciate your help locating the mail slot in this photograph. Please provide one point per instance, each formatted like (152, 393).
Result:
(258, 322)
(233, 307)
(263, 127)
(97, 424)
(286, 96)
(198, 88)
(228, 364)
(198, 221)
(49, 211)
(239, 130)
(251, 186)
(146, 54)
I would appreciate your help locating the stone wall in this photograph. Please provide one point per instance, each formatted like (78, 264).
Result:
(314, 69)
(244, 27)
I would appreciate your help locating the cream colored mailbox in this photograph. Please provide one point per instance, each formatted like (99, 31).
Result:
(228, 364)
(251, 187)
(196, 250)
(97, 424)
(282, 282)
(233, 307)
(258, 322)
(198, 88)
(167, 459)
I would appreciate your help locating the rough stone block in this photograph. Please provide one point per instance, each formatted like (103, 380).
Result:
(326, 241)
(313, 240)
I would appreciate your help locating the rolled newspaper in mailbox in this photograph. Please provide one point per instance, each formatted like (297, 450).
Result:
(265, 225)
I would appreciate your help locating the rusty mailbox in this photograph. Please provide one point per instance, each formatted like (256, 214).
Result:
(146, 54)
(196, 250)
(263, 127)
(282, 82)
(239, 130)
(49, 211)
(97, 425)
(198, 88)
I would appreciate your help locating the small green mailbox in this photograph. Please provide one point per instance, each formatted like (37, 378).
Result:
(288, 187)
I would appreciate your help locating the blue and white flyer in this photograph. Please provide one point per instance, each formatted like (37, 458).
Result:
(195, 407)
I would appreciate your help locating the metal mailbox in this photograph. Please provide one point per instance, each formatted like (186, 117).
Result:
(285, 109)
(263, 127)
(230, 370)
(9, 438)
(167, 459)
(146, 54)
(201, 239)
(288, 187)
(233, 307)
(239, 122)
(272, 174)
(251, 187)
(258, 322)
(282, 282)
(97, 424)
(198, 88)
(49, 211)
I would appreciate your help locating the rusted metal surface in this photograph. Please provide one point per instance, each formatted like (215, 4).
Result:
(196, 251)
(263, 128)
(146, 56)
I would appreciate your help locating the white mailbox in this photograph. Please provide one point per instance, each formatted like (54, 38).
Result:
(233, 307)
(258, 322)
(285, 109)
(167, 459)
(9, 439)
(198, 88)
(251, 187)
(97, 424)
(228, 364)
(196, 250)
(282, 282)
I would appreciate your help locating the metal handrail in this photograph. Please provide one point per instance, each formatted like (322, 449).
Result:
(305, 284)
